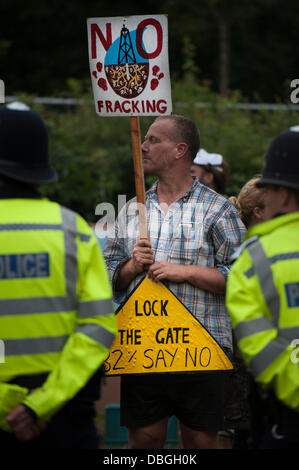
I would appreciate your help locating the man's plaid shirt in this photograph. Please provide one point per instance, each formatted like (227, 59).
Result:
(202, 228)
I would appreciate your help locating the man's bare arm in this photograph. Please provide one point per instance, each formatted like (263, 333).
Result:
(209, 279)
(142, 257)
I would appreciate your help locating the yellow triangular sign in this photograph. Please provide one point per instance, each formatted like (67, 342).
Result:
(157, 333)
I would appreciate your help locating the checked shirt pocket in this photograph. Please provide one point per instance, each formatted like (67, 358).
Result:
(184, 245)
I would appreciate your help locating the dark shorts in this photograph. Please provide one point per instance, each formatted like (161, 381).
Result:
(195, 399)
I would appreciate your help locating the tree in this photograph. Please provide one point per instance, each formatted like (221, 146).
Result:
(220, 12)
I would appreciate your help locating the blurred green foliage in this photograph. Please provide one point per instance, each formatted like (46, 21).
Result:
(93, 155)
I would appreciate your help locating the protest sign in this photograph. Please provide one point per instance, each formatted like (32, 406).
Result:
(129, 67)
(157, 333)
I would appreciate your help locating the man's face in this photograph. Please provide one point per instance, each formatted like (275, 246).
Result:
(159, 148)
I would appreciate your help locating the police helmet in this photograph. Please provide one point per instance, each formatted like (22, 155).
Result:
(24, 145)
(281, 165)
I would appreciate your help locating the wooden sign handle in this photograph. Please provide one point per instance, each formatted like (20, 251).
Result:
(139, 176)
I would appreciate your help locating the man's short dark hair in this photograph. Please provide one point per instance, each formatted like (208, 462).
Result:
(186, 131)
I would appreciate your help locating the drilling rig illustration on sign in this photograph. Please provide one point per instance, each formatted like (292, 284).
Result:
(126, 70)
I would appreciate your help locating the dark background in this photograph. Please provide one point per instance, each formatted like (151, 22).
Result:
(246, 45)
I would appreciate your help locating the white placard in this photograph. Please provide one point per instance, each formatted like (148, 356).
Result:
(129, 65)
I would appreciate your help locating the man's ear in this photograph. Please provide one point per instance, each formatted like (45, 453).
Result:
(182, 149)
(287, 199)
(257, 212)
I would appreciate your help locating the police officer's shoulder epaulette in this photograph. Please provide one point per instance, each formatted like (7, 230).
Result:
(242, 247)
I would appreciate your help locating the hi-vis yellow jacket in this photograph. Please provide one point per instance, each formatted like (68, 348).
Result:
(56, 312)
(263, 301)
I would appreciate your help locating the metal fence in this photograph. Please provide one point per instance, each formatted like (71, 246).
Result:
(247, 106)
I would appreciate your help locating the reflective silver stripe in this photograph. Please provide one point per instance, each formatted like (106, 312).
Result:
(248, 328)
(6, 227)
(84, 237)
(94, 308)
(274, 259)
(97, 333)
(284, 257)
(266, 356)
(258, 325)
(262, 268)
(34, 305)
(241, 248)
(289, 333)
(40, 345)
(69, 225)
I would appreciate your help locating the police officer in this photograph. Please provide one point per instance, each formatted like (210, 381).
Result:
(263, 295)
(56, 315)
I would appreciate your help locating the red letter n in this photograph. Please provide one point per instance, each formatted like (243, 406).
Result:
(95, 31)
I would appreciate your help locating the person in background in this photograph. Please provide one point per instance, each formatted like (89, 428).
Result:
(250, 203)
(263, 296)
(251, 209)
(56, 315)
(211, 169)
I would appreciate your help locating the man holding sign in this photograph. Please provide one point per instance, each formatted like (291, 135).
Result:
(192, 233)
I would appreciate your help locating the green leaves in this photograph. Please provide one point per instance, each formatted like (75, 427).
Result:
(93, 155)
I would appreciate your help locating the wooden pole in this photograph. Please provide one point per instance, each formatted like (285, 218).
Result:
(139, 176)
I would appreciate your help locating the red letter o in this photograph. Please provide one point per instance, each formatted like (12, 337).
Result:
(140, 29)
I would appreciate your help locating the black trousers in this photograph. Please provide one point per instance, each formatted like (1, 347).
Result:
(272, 439)
(275, 426)
(71, 428)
